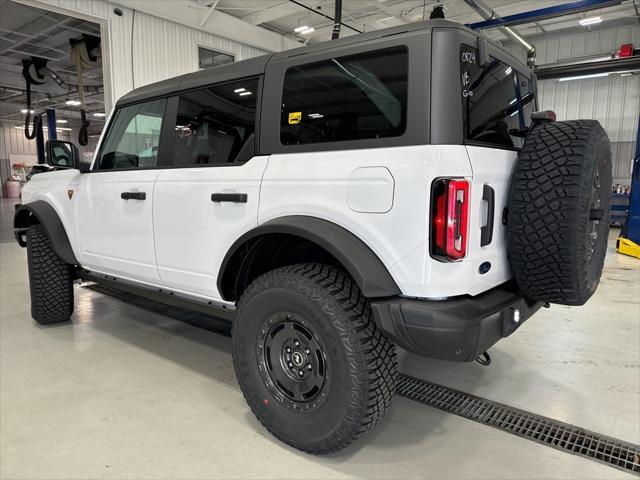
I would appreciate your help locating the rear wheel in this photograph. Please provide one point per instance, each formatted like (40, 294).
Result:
(310, 361)
(558, 220)
(50, 279)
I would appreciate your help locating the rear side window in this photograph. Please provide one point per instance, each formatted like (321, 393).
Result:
(216, 125)
(346, 98)
(133, 137)
(496, 101)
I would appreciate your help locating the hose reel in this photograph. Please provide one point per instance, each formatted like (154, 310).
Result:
(33, 71)
(84, 54)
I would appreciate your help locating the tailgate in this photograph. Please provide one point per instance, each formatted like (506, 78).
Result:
(492, 168)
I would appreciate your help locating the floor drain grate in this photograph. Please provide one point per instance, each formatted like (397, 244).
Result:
(544, 430)
(559, 435)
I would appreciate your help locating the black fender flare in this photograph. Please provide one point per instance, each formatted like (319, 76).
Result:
(46, 216)
(364, 266)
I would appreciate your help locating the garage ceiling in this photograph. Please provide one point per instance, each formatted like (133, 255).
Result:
(27, 31)
(284, 16)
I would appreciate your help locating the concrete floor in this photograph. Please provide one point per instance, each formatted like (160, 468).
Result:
(125, 393)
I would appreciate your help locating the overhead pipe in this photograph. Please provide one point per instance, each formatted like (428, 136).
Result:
(19, 92)
(552, 71)
(488, 13)
(546, 13)
(346, 25)
(53, 103)
(337, 23)
(69, 86)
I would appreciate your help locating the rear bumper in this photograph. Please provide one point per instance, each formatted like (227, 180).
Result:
(457, 330)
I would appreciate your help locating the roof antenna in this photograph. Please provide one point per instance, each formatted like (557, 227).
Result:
(337, 21)
(437, 12)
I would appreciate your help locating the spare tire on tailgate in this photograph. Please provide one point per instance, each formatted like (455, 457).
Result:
(558, 217)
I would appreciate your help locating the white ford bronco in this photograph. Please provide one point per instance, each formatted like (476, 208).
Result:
(397, 187)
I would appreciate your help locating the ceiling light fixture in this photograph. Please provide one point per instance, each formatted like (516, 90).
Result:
(242, 94)
(24, 110)
(584, 77)
(590, 21)
(301, 29)
(508, 71)
(308, 31)
(62, 121)
(238, 90)
(99, 114)
(58, 129)
(74, 103)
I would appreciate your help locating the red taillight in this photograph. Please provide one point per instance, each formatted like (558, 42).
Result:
(450, 218)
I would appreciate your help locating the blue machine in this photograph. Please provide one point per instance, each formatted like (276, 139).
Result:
(633, 219)
(629, 240)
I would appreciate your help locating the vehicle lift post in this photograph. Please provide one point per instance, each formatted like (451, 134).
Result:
(629, 240)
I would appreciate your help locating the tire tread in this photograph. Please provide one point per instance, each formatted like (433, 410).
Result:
(50, 279)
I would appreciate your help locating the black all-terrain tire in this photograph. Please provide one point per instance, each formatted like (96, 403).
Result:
(361, 364)
(558, 219)
(50, 279)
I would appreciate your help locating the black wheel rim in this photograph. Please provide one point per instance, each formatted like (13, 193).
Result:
(292, 362)
(596, 214)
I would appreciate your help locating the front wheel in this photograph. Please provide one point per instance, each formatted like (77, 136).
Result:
(50, 279)
(309, 359)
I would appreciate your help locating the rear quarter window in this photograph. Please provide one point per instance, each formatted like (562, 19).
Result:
(496, 101)
(354, 97)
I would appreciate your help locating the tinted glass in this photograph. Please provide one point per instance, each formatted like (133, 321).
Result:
(346, 98)
(210, 58)
(496, 101)
(216, 125)
(133, 138)
(61, 155)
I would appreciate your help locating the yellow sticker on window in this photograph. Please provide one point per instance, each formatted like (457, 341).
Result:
(294, 118)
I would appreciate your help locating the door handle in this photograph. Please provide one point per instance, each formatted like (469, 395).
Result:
(229, 197)
(486, 232)
(133, 196)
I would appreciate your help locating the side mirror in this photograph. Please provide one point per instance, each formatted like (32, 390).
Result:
(62, 154)
(84, 167)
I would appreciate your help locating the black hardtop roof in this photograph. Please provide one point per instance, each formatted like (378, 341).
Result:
(244, 68)
(363, 37)
(256, 65)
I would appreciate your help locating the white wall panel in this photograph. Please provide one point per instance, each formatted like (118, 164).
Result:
(614, 100)
(13, 142)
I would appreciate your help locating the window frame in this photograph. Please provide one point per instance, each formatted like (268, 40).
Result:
(399, 50)
(499, 55)
(162, 157)
(214, 50)
(417, 131)
(172, 110)
(167, 132)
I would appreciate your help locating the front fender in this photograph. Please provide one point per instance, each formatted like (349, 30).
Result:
(45, 215)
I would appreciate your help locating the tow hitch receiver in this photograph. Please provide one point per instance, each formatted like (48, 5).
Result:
(484, 359)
